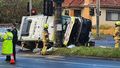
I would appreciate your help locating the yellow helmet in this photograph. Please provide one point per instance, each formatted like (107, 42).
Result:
(117, 23)
(45, 26)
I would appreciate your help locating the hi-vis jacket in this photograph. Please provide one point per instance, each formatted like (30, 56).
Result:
(7, 45)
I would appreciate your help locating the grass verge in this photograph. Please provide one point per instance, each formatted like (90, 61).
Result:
(88, 51)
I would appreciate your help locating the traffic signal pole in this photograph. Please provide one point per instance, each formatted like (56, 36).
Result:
(30, 7)
(97, 17)
(58, 23)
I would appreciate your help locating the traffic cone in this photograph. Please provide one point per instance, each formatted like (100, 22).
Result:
(12, 61)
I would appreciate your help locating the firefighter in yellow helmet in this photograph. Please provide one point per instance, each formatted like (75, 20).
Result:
(45, 39)
(7, 45)
(45, 26)
(117, 34)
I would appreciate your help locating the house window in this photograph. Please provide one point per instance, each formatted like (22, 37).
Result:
(112, 15)
(67, 12)
(77, 13)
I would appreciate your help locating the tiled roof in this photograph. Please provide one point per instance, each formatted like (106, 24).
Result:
(72, 3)
(103, 3)
(110, 3)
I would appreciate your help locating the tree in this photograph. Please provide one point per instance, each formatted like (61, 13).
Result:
(13, 10)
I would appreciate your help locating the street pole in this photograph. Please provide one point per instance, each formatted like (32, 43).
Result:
(58, 24)
(97, 17)
(30, 7)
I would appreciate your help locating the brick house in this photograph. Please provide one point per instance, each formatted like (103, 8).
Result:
(110, 10)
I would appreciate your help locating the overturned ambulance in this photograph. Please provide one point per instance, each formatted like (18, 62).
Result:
(75, 30)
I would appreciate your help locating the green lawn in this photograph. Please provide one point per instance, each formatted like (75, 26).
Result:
(88, 51)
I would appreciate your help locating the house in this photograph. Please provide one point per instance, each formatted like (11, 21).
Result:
(110, 10)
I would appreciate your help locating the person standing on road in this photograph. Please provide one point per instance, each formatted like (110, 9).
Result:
(117, 34)
(14, 41)
(7, 45)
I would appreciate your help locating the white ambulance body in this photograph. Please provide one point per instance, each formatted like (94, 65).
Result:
(32, 26)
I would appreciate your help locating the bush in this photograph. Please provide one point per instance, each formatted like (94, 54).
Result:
(13, 10)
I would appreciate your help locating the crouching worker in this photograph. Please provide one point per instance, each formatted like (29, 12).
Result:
(7, 45)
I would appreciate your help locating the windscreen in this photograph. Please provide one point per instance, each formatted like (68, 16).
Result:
(26, 27)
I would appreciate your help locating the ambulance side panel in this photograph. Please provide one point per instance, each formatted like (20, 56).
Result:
(32, 27)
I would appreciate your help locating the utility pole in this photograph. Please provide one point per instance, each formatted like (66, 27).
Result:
(97, 17)
(58, 23)
(30, 7)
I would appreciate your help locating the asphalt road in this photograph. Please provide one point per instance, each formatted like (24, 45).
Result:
(30, 60)
(107, 41)
(59, 62)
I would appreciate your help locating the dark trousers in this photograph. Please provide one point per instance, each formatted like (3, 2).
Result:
(8, 57)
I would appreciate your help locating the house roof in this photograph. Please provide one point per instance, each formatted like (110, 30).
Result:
(72, 3)
(110, 3)
(103, 3)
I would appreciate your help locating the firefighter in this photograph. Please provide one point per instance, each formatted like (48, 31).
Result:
(7, 45)
(117, 34)
(45, 39)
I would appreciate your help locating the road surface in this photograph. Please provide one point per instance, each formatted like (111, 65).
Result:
(30, 60)
(59, 62)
